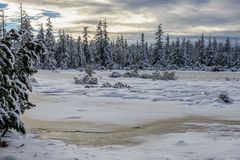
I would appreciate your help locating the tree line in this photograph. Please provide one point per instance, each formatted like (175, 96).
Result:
(65, 52)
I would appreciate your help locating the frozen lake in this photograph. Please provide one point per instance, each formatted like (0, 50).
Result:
(182, 119)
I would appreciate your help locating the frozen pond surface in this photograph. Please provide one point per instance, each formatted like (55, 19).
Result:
(181, 119)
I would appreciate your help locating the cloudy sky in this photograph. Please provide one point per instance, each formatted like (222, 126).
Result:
(131, 17)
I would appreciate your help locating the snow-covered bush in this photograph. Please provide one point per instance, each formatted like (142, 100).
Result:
(16, 67)
(115, 75)
(156, 76)
(146, 76)
(131, 74)
(89, 70)
(225, 98)
(164, 76)
(106, 85)
(216, 69)
(120, 85)
(116, 85)
(88, 78)
(169, 76)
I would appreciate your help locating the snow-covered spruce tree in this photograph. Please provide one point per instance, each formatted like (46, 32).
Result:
(177, 57)
(228, 52)
(27, 27)
(158, 50)
(210, 53)
(215, 51)
(86, 51)
(72, 52)
(101, 41)
(107, 56)
(41, 37)
(136, 59)
(167, 50)
(98, 41)
(2, 24)
(236, 55)
(49, 42)
(202, 51)
(80, 55)
(189, 54)
(61, 55)
(16, 66)
(143, 56)
(118, 51)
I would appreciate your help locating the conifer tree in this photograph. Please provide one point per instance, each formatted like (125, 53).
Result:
(80, 55)
(16, 67)
(41, 38)
(177, 57)
(143, 57)
(167, 50)
(158, 50)
(2, 24)
(50, 62)
(107, 56)
(86, 52)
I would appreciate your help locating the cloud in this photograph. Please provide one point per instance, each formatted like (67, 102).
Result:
(51, 14)
(3, 5)
(188, 17)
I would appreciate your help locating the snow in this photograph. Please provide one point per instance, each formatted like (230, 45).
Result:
(173, 146)
(146, 100)
(194, 94)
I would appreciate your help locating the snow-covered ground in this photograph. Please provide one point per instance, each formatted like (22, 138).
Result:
(183, 119)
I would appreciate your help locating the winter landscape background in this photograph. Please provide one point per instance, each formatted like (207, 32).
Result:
(119, 80)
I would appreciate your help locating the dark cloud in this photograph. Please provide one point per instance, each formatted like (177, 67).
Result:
(138, 4)
(178, 17)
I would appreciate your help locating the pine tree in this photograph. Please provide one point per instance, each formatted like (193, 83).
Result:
(98, 40)
(41, 38)
(107, 56)
(202, 53)
(189, 53)
(158, 50)
(16, 66)
(167, 50)
(27, 28)
(143, 57)
(72, 52)
(2, 24)
(136, 59)
(80, 55)
(210, 54)
(50, 62)
(86, 52)
(61, 56)
(178, 57)
(101, 40)
(236, 55)
(227, 52)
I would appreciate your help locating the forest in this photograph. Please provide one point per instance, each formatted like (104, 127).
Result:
(65, 52)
